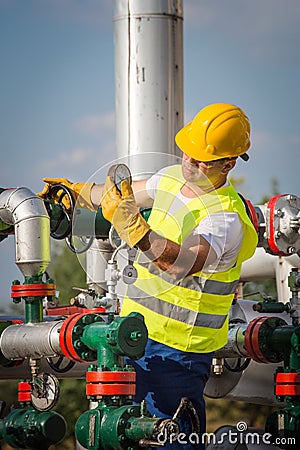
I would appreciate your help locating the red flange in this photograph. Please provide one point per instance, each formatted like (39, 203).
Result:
(289, 390)
(73, 309)
(24, 391)
(33, 290)
(65, 338)
(252, 214)
(110, 389)
(251, 340)
(271, 206)
(287, 384)
(108, 377)
(110, 383)
(289, 377)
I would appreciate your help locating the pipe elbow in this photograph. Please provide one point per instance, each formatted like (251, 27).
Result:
(19, 204)
(24, 210)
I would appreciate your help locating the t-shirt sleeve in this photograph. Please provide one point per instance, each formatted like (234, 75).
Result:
(153, 182)
(224, 233)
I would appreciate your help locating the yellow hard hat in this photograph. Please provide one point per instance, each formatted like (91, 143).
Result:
(218, 131)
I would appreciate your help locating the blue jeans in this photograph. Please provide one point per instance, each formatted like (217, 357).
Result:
(164, 376)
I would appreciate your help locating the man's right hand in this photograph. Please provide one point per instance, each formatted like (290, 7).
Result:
(81, 192)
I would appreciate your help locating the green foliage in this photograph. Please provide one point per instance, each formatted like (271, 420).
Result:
(66, 268)
(273, 191)
(237, 182)
(228, 412)
(9, 393)
(258, 291)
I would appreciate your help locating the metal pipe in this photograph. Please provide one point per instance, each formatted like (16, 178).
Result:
(31, 341)
(23, 209)
(97, 258)
(148, 82)
(78, 371)
(255, 383)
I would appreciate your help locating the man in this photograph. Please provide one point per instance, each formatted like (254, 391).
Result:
(189, 259)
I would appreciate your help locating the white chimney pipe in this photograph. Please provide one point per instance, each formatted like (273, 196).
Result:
(148, 82)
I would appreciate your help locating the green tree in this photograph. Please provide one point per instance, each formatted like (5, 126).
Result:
(66, 268)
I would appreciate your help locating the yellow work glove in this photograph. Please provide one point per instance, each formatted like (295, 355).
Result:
(122, 211)
(81, 192)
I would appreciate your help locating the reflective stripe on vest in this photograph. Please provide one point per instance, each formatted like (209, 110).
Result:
(204, 285)
(176, 312)
(216, 287)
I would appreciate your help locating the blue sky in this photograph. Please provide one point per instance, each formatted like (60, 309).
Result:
(57, 87)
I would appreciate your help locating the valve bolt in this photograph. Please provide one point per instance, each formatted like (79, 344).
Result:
(135, 335)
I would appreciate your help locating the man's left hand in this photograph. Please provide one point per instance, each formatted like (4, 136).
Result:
(121, 210)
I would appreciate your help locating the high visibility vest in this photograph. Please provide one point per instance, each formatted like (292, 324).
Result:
(190, 315)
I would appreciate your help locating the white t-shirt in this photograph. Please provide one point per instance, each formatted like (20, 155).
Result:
(223, 231)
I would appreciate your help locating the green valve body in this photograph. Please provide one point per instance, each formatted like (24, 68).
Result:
(123, 336)
(104, 427)
(29, 428)
(285, 425)
(90, 337)
(110, 427)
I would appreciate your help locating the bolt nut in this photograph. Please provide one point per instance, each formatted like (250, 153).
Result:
(291, 250)
(291, 198)
(78, 344)
(87, 319)
(135, 335)
(78, 329)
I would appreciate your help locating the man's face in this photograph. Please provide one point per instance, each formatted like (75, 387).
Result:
(201, 173)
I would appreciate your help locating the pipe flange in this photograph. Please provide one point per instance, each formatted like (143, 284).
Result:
(256, 339)
(287, 384)
(283, 214)
(33, 290)
(70, 337)
(110, 383)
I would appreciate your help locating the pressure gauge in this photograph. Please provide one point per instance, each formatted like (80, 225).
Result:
(129, 274)
(118, 173)
(45, 391)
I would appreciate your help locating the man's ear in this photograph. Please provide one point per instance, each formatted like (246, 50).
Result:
(228, 166)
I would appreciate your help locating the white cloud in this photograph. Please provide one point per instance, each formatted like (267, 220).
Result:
(75, 157)
(81, 162)
(95, 125)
